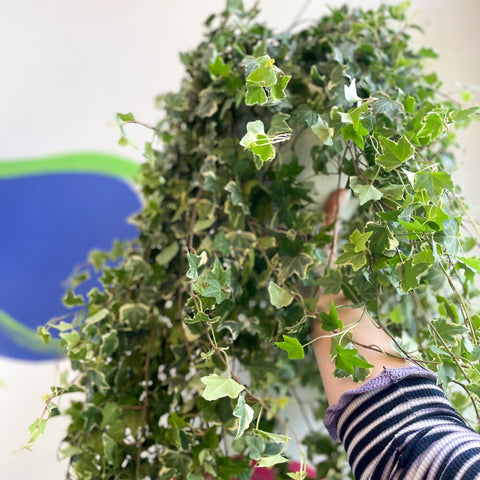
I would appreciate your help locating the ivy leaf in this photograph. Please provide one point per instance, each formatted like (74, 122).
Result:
(273, 437)
(194, 262)
(264, 75)
(350, 133)
(289, 265)
(449, 331)
(258, 141)
(270, 461)
(71, 339)
(244, 413)
(434, 183)
(72, 300)
(133, 315)
(382, 240)
(351, 94)
(431, 128)
(347, 358)
(197, 318)
(279, 297)
(109, 448)
(365, 193)
(167, 254)
(292, 346)
(277, 91)
(349, 257)
(322, 130)
(472, 262)
(330, 321)
(394, 154)
(279, 124)
(413, 268)
(256, 95)
(331, 281)
(109, 343)
(217, 280)
(448, 237)
(359, 240)
(218, 68)
(446, 373)
(217, 387)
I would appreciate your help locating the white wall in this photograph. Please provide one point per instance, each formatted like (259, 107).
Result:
(67, 66)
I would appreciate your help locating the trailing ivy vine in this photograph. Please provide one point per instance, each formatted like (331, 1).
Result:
(186, 357)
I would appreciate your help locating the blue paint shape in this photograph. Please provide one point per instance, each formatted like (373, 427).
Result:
(49, 223)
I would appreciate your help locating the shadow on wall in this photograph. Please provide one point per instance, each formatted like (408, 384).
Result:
(53, 211)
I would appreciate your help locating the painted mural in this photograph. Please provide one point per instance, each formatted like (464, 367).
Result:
(53, 211)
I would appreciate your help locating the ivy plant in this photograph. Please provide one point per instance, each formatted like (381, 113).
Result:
(184, 359)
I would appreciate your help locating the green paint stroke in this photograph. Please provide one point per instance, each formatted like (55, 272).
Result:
(25, 337)
(79, 162)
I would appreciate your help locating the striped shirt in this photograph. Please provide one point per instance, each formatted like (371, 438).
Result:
(400, 426)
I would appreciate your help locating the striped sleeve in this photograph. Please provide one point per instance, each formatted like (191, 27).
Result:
(404, 429)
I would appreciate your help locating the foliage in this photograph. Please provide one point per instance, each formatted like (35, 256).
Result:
(199, 337)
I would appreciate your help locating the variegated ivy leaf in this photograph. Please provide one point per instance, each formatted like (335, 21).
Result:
(217, 387)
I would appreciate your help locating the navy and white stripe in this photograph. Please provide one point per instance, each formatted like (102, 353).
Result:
(408, 430)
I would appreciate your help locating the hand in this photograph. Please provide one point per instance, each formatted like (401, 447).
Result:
(371, 341)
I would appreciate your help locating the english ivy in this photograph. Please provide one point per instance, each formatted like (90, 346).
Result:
(199, 336)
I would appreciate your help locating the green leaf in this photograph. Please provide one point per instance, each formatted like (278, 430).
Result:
(351, 93)
(109, 448)
(272, 460)
(448, 331)
(97, 317)
(258, 141)
(256, 95)
(289, 265)
(410, 104)
(279, 297)
(322, 130)
(382, 240)
(414, 267)
(394, 154)
(349, 257)
(71, 339)
(349, 133)
(244, 413)
(359, 240)
(431, 128)
(217, 283)
(264, 75)
(72, 300)
(365, 193)
(446, 373)
(347, 358)
(256, 446)
(448, 238)
(279, 124)
(277, 91)
(472, 262)
(126, 117)
(273, 437)
(292, 346)
(167, 254)
(331, 281)
(109, 343)
(133, 315)
(330, 321)
(218, 68)
(217, 387)
(434, 183)
(194, 262)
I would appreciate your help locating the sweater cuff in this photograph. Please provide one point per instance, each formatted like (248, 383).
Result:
(386, 378)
